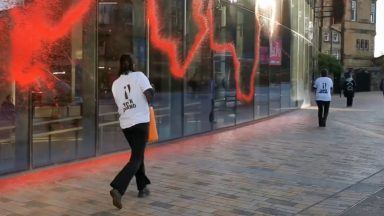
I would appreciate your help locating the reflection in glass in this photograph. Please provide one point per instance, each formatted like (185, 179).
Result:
(76, 117)
(169, 91)
(58, 109)
(198, 109)
(120, 30)
(245, 46)
(224, 79)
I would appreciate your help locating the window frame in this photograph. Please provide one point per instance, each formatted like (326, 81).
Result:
(335, 39)
(326, 37)
(358, 44)
(336, 53)
(373, 12)
(353, 10)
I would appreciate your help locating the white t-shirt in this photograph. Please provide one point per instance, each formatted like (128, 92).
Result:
(128, 91)
(323, 87)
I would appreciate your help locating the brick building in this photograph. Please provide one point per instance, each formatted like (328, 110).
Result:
(359, 33)
(351, 40)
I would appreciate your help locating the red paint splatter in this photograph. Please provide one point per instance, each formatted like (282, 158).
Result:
(168, 46)
(33, 33)
(205, 22)
(230, 48)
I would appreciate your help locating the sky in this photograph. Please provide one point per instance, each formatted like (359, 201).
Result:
(6, 4)
(379, 40)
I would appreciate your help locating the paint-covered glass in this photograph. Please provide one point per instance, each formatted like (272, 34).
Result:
(121, 29)
(213, 64)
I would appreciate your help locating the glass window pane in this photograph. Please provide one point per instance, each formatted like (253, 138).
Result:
(8, 148)
(168, 102)
(121, 29)
(285, 72)
(245, 46)
(223, 70)
(198, 87)
(63, 108)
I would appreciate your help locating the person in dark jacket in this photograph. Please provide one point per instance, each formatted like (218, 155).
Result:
(382, 86)
(7, 110)
(349, 88)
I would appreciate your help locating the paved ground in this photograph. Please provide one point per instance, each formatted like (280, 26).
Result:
(282, 166)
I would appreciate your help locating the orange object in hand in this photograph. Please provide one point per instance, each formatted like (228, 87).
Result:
(153, 136)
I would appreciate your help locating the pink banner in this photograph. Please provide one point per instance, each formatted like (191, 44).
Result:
(275, 52)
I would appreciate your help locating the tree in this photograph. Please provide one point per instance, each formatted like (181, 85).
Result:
(333, 66)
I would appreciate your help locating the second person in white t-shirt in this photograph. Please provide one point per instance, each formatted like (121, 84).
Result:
(324, 87)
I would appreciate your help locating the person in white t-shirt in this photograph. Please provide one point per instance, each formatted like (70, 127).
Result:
(324, 87)
(133, 94)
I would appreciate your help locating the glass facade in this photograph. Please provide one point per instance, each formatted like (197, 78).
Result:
(213, 64)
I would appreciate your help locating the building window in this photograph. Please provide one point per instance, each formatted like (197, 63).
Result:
(336, 54)
(354, 10)
(373, 12)
(335, 37)
(366, 45)
(358, 44)
(326, 36)
(362, 44)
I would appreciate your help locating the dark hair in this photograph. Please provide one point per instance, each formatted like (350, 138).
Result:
(126, 64)
(324, 72)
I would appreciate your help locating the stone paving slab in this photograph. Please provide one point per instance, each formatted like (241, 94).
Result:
(281, 166)
(372, 206)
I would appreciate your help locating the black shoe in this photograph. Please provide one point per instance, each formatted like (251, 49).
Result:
(321, 123)
(143, 193)
(116, 196)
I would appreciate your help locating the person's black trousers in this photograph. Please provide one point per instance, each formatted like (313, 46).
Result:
(136, 136)
(349, 96)
(349, 101)
(323, 112)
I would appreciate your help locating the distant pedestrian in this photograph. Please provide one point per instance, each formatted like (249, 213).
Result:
(382, 86)
(324, 87)
(7, 110)
(349, 88)
(132, 93)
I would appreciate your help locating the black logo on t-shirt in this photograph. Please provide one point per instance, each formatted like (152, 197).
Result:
(324, 89)
(125, 90)
(129, 104)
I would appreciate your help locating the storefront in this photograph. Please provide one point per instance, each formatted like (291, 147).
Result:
(213, 63)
